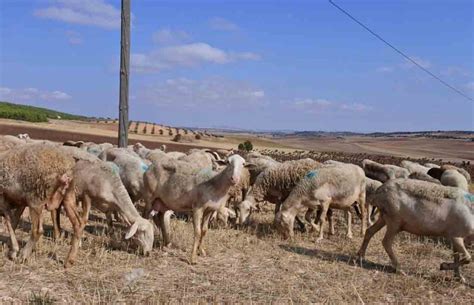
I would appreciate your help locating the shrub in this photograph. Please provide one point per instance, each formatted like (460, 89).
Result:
(198, 137)
(246, 146)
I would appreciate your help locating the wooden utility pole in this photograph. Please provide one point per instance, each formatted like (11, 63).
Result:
(124, 73)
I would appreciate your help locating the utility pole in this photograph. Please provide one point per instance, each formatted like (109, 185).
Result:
(124, 73)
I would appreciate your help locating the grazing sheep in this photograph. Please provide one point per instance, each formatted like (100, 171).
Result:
(462, 171)
(132, 170)
(37, 176)
(259, 164)
(327, 187)
(77, 144)
(431, 165)
(452, 177)
(79, 154)
(414, 167)
(7, 142)
(98, 184)
(23, 136)
(154, 155)
(423, 177)
(176, 186)
(423, 208)
(274, 184)
(371, 186)
(383, 172)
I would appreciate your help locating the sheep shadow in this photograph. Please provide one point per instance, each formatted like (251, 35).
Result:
(331, 257)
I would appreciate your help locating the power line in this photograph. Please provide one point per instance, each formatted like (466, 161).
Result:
(400, 52)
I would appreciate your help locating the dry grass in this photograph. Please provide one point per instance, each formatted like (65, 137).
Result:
(249, 265)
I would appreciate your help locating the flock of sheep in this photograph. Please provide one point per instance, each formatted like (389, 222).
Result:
(221, 185)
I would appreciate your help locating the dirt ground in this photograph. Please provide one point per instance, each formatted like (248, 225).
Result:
(251, 265)
(454, 150)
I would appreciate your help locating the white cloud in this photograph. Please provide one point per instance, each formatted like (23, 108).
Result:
(455, 71)
(356, 107)
(221, 24)
(186, 55)
(324, 105)
(385, 69)
(168, 36)
(210, 93)
(422, 62)
(74, 38)
(31, 94)
(86, 12)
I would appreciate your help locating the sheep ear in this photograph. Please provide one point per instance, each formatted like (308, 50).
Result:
(222, 162)
(132, 230)
(65, 180)
(250, 165)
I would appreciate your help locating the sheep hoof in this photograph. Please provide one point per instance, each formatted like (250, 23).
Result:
(460, 278)
(444, 266)
(68, 264)
(349, 235)
(202, 252)
(193, 260)
(400, 271)
(319, 240)
(12, 254)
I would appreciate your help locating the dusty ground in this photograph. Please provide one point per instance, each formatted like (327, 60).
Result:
(447, 149)
(249, 265)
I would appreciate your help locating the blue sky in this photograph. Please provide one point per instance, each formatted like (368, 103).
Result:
(299, 65)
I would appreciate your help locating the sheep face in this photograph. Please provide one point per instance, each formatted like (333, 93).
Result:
(142, 233)
(284, 224)
(245, 208)
(236, 164)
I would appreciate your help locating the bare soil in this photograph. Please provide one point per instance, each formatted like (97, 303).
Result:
(251, 265)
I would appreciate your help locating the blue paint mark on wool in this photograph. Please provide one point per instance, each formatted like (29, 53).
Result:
(311, 174)
(115, 168)
(469, 197)
(144, 167)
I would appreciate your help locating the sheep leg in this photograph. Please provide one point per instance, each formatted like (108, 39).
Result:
(164, 225)
(387, 242)
(71, 212)
(36, 232)
(110, 222)
(197, 221)
(13, 244)
(204, 228)
(308, 218)
(86, 208)
(349, 224)
(363, 212)
(16, 217)
(332, 231)
(56, 218)
(461, 257)
(377, 226)
(322, 221)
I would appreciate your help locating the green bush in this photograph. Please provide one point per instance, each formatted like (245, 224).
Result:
(33, 114)
(247, 146)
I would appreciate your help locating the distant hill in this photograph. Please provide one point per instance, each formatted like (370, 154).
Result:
(34, 114)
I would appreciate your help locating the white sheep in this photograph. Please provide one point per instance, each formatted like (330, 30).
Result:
(337, 186)
(423, 208)
(383, 172)
(176, 186)
(37, 176)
